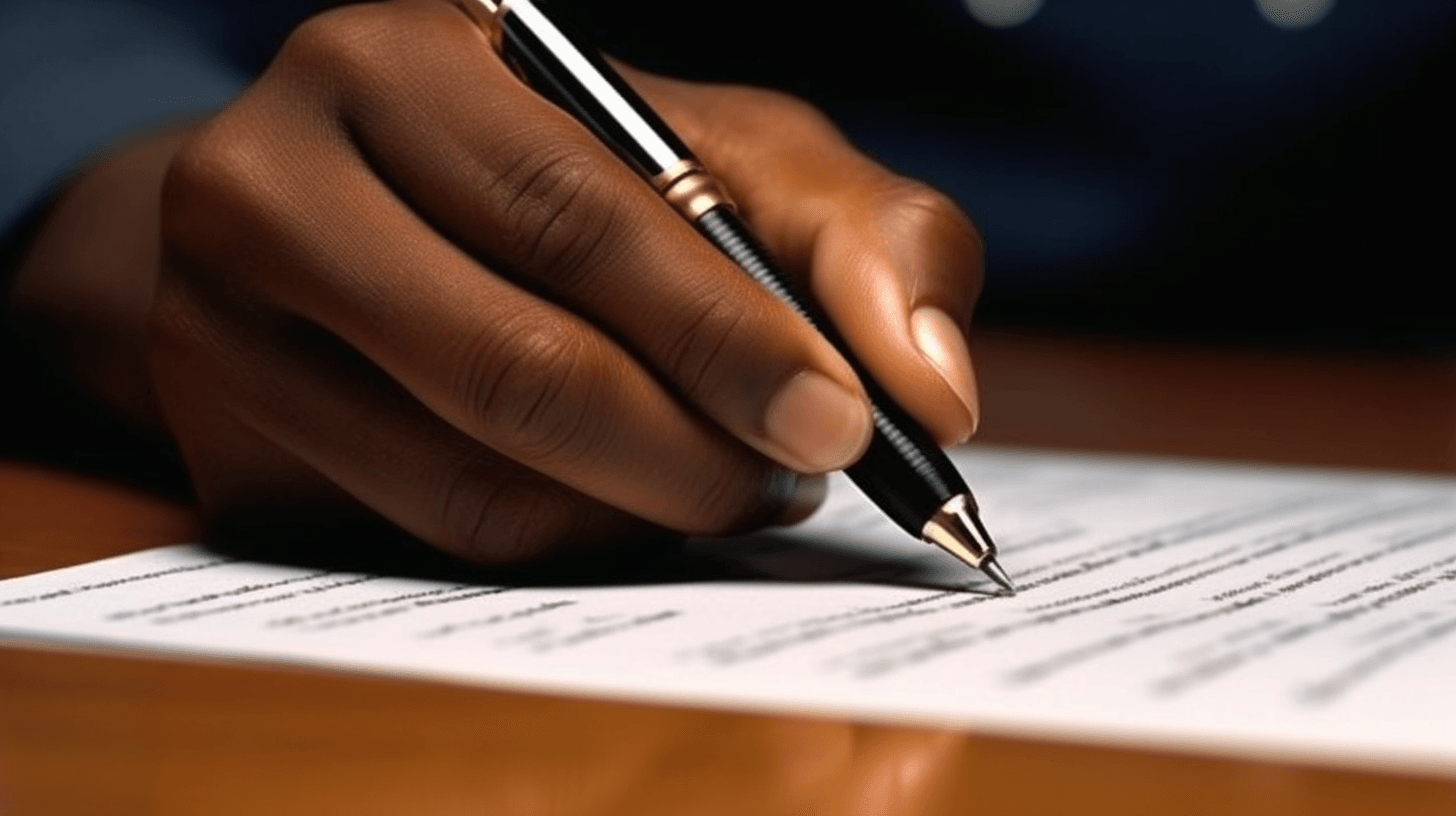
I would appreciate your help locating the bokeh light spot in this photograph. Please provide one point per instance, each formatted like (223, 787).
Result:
(1003, 13)
(1294, 13)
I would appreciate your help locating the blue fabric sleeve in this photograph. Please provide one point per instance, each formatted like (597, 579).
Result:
(78, 75)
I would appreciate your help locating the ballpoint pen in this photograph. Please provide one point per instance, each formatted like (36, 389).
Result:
(903, 471)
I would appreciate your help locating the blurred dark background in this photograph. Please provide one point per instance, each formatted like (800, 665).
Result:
(1201, 169)
(1222, 171)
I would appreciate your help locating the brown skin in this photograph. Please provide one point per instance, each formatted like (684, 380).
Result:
(391, 276)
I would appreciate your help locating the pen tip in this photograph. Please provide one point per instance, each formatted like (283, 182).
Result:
(993, 569)
(957, 529)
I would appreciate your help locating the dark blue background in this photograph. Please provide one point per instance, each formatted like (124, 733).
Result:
(1136, 165)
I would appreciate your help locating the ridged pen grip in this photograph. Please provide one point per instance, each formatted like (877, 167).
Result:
(894, 472)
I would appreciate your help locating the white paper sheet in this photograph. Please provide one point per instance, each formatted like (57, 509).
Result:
(1305, 615)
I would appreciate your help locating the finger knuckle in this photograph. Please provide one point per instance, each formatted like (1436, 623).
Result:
(931, 212)
(530, 385)
(345, 45)
(206, 183)
(698, 357)
(221, 197)
(555, 215)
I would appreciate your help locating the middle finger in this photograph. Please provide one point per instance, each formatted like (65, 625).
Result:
(525, 188)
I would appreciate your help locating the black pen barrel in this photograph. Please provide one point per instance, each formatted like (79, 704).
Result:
(904, 471)
(549, 56)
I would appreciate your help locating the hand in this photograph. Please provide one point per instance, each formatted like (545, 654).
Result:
(394, 277)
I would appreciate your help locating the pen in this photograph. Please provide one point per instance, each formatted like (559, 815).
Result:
(903, 471)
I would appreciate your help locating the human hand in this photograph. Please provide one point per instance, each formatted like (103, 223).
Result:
(393, 276)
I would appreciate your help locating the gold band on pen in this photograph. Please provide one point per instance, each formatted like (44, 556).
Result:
(485, 14)
(691, 190)
(686, 185)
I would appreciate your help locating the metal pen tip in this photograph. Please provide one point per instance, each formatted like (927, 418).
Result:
(957, 529)
(993, 569)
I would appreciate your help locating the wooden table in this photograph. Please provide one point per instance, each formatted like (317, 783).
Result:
(84, 734)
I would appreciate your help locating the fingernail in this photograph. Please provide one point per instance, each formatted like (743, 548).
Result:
(796, 496)
(817, 424)
(944, 345)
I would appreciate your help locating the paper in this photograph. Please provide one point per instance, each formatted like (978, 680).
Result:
(1306, 615)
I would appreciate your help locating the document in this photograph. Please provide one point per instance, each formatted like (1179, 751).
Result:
(1260, 612)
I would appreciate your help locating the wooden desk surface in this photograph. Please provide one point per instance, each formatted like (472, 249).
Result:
(85, 734)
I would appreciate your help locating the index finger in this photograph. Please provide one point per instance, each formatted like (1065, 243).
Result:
(533, 196)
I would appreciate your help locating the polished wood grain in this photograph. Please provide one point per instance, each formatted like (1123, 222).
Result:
(85, 733)
(1303, 408)
(51, 519)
